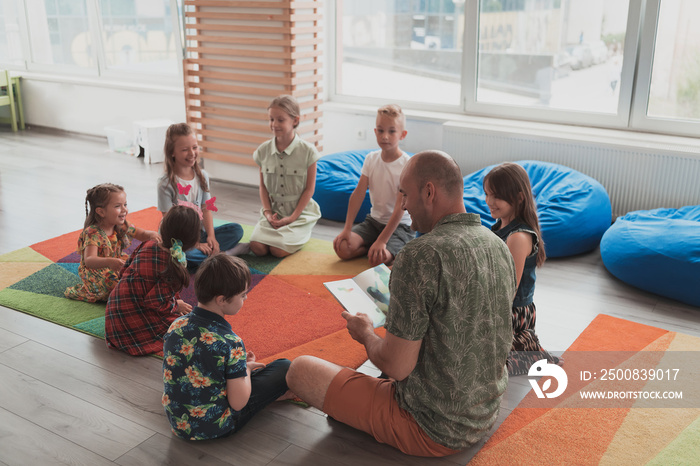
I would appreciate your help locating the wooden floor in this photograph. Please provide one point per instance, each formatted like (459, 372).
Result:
(66, 399)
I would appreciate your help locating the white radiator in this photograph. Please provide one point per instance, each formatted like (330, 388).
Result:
(637, 177)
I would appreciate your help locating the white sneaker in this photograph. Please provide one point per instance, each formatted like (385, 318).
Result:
(239, 249)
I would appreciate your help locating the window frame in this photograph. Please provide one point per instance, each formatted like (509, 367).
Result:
(334, 71)
(100, 72)
(635, 80)
(639, 118)
(550, 115)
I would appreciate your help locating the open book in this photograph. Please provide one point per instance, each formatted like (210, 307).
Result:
(367, 292)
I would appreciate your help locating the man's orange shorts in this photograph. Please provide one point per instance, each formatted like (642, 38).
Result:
(368, 404)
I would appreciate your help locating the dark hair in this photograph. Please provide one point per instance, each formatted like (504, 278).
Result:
(440, 169)
(509, 182)
(179, 223)
(173, 132)
(97, 197)
(221, 275)
(288, 104)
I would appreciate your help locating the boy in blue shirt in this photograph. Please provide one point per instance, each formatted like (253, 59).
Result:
(212, 386)
(387, 227)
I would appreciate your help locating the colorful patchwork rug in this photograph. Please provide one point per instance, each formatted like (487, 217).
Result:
(634, 366)
(288, 311)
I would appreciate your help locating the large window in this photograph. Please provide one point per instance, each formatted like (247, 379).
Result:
(569, 61)
(564, 54)
(675, 79)
(59, 33)
(138, 36)
(137, 40)
(392, 48)
(10, 33)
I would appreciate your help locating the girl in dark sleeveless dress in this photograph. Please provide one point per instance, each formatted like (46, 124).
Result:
(509, 197)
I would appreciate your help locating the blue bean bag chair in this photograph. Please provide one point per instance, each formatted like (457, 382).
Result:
(337, 176)
(573, 209)
(657, 251)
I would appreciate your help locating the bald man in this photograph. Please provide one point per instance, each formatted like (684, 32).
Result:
(448, 329)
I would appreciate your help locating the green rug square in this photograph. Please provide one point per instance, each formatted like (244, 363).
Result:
(247, 229)
(52, 280)
(684, 449)
(66, 312)
(263, 264)
(95, 327)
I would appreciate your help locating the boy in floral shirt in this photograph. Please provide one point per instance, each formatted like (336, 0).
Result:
(212, 385)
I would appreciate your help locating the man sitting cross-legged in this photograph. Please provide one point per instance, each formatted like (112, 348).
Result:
(448, 329)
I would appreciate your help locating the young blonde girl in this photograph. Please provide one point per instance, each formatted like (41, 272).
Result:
(105, 236)
(510, 199)
(287, 181)
(186, 183)
(146, 300)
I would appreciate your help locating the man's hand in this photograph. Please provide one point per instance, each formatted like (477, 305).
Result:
(359, 326)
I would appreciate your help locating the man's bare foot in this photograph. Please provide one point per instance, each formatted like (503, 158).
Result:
(289, 395)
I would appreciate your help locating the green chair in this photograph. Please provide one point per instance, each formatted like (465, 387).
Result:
(7, 98)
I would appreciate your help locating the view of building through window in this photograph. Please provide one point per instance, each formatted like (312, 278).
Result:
(59, 33)
(563, 54)
(138, 36)
(675, 79)
(399, 49)
(10, 33)
(135, 36)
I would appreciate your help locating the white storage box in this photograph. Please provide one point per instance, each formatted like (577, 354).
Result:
(118, 139)
(150, 135)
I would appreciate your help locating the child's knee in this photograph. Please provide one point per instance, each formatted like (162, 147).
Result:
(277, 252)
(345, 251)
(259, 249)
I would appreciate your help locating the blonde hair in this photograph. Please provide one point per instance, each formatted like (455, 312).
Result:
(98, 196)
(288, 104)
(393, 111)
(509, 182)
(175, 131)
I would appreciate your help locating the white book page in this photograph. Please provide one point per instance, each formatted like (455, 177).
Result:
(351, 296)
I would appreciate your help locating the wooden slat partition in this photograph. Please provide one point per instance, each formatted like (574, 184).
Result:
(240, 55)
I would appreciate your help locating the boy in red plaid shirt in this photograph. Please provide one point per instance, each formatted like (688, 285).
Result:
(146, 300)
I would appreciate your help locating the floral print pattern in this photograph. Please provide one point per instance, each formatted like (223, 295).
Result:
(98, 283)
(200, 352)
(453, 288)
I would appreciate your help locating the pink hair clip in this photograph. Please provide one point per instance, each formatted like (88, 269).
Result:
(210, 204)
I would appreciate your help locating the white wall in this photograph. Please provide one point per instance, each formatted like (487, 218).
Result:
(343, 124)
(88, 108)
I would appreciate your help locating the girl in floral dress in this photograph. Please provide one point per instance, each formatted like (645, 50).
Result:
(105, 236)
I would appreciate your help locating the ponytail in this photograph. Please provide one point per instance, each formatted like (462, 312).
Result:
(180, 231)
